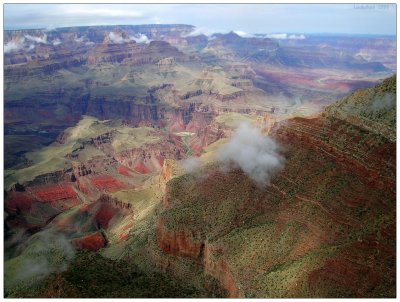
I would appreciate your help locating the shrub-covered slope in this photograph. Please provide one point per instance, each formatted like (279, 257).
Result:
(326, 225)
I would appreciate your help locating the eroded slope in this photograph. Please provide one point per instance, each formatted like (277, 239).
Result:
(325, 227)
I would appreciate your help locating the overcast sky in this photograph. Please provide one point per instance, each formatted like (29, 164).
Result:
(256, 18)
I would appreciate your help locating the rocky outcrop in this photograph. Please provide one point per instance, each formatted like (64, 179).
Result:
(116, 203)
(229, 96)
(92, 242)
(155, 52)
(183, 243)
(179, 243)
(109, 52)
(243, 84)
(80, 169)
(220, 270)
(146, 160)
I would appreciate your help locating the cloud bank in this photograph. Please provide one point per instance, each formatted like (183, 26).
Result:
(255, 154)
(284, 36)
(13, 46)
(37, 39)
(117, 38)
(243, 34)
(141, 39)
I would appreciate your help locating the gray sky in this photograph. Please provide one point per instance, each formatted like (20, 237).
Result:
(255, 18)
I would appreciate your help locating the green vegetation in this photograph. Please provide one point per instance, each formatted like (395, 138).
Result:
(371, 108)
(90, 275)
(274, 242)
(54, 157)
(233, 119)
(44, 253)
(127, 138)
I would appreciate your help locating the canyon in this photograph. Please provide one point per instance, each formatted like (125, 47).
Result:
(112, 136)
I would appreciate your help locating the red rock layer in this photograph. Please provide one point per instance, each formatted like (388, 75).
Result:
(107, 183)
(180, 243)
(92, 242)
(50, 193)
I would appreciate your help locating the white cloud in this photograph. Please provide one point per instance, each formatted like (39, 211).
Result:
(37, 39)
(117, 38)
(191, 164)
(243, 34)
(199, 31)
(384, 102)
(284, 36)
(56, 42)
(276, 36)
(13, 46)
(255, 154)
(50, 251)
(204, 31)
(79, 40)
(140, 39)
(297, 37)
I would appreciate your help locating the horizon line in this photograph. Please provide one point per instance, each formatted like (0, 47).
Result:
(183, 24)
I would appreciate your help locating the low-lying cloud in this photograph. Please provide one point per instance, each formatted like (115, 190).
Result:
(243, 34)
(56, 42)
(80, 39)
(191, 164)
(117, 38)
(141, 38)
(208, 32)
(37, 39)
(197, 32)
(48, 252)
(13, 46)
(384, 102)
(284, 36)
(255, 154)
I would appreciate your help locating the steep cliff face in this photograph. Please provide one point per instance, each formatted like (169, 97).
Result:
(38, 53)
(181, 243)
(133, 53)
(272, 52)
(330, 210)
(147, 161)
(242, 47)
(110, 52)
